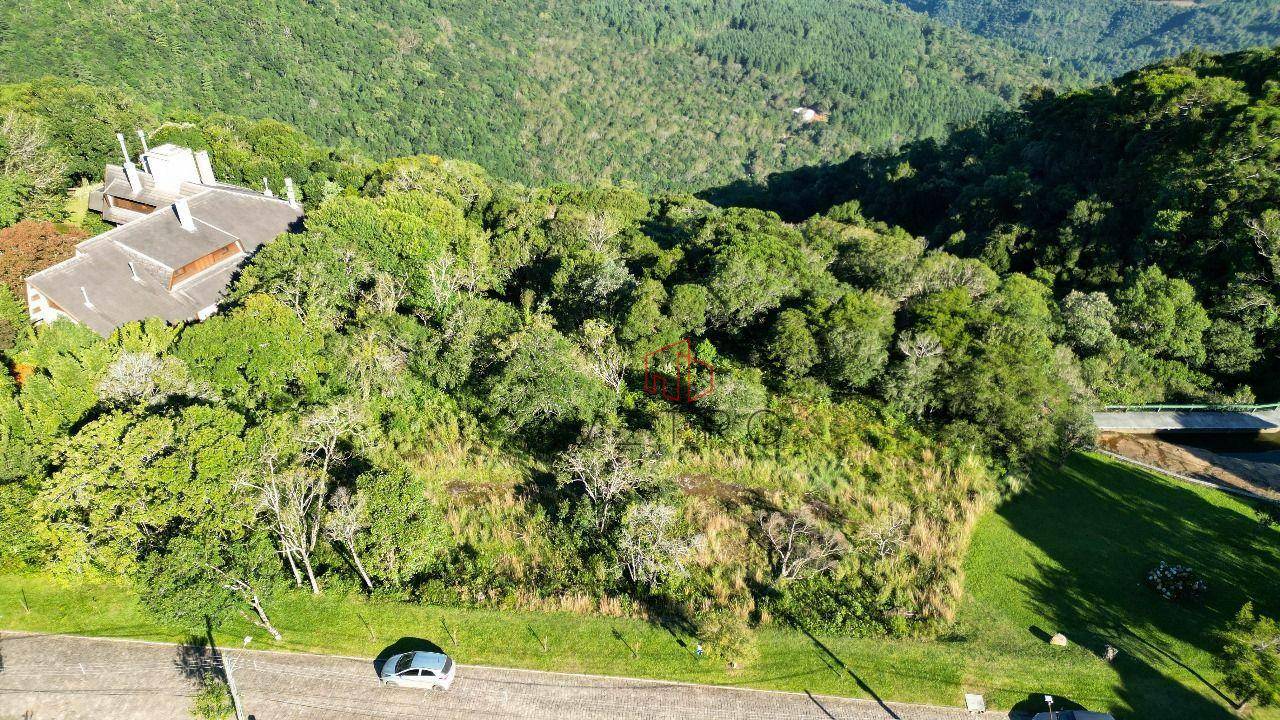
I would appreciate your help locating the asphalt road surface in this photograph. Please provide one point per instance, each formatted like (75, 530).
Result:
(58, 676)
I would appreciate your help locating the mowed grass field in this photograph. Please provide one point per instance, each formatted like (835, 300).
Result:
(1068, 555)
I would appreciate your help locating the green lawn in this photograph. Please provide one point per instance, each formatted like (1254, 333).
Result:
(1068, 555)
(78, 203)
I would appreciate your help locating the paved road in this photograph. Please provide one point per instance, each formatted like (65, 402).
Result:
(49, 676)
(1190, 421)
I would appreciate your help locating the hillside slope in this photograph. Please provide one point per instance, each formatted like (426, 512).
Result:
(1105, 37)
(1169, 170)
(683, 96)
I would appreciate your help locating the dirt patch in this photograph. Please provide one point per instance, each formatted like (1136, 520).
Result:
(1262, 478)
(702, 485)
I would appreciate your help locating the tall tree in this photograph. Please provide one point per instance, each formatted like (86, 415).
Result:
(1250, 658)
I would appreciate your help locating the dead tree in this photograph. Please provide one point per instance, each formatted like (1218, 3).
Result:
(344, 522)
(606, 470)
(322, 433)
(652, 543)
(885, 534)
(798, 546)
(290, 495)
(245, 590)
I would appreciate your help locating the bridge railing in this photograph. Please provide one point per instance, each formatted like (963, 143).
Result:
(1167, 407)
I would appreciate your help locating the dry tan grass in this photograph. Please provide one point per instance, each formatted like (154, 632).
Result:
(839, 475)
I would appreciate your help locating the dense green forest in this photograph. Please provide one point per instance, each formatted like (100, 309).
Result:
(1103, 37)
(436, 392)
(687, 94)
(683, 95)
(1163, 183)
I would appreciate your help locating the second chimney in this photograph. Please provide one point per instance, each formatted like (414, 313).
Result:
(289, 193)
(183, 210)
(204, 168)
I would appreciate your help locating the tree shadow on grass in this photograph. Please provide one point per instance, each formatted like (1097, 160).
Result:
(834, 660)
(1102, 528)
(403, 645)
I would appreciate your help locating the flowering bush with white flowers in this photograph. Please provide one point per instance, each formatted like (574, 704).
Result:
(1178, 583)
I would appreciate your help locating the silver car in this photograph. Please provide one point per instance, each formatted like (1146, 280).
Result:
(419, 669)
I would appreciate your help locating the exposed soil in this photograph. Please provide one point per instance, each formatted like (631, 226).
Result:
(1233, 470)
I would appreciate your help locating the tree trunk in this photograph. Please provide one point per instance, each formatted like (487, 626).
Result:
(311, 576)
(293, 567)
(602, 518)
(355, 558)
(263, 620)
(315, 533)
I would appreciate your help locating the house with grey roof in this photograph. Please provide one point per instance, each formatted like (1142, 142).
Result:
(180, 236)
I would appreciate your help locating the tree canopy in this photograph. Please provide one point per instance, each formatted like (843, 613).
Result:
(1147, 204)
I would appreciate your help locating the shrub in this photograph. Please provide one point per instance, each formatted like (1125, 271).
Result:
(213, 701)
(1249, 659)
(821, 604)
(1177, 583)
(726, 636)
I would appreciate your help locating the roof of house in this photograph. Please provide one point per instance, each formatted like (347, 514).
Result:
(115, 184)
(169, 245)
(156, 245)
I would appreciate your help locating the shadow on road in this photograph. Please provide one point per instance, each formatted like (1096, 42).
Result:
(194, 658)
(820, 706)
(199, 660)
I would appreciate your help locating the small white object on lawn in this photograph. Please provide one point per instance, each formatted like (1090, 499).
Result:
(975, 703)
(247, 639)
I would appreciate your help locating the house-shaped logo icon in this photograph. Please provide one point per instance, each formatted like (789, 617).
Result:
(674, 374)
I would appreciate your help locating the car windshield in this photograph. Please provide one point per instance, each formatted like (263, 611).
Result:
(448, 663)
(404, 662)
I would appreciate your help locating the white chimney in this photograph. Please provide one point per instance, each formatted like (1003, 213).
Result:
(85, 293)
(142, 137)
(266, 189)
(131, 174)
(183, 210)
(124, 149)
(288, 191)
(170, 166)
(204, 168)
